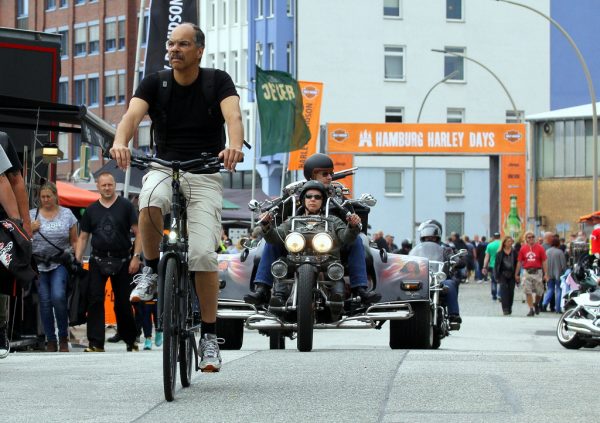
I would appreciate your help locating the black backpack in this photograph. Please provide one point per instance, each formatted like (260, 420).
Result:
(159, 113)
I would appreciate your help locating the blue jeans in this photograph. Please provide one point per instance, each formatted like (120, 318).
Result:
(53, 302)
(494, 284)
(357, 266)
(553, 287)
(452, 296)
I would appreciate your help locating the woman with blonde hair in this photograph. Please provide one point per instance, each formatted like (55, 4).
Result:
(506, 263)
(54, 233)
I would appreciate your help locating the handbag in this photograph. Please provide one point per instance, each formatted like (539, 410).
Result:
(77, 299)
(109, 266)
(64, 257)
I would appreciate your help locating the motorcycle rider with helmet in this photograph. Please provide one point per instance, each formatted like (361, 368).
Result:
(318, 167)
(313, 198)
(430, 235)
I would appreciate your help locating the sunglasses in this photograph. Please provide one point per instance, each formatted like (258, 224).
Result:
(529, 237)
(315, 196)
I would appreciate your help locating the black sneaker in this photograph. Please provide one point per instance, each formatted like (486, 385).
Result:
(133, 347)
(537, 309)
(4, 342)
(531, 313)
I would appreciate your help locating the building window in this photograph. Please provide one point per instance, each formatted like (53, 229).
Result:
(93, 89)
(289, 8)
(122, 33)
(259, 55)
(110, 36)
(289, 58)
(235, 12)
(394, 114)
(50, 4)
(223, 61)
(393, 182)
(454, 183)
(145, 31)
(453, 63)
(260, 13)
(122, 85)
(394, 63)
(78, 2)
(271, 8)
(455, 222)
(213, 14)
(63, 92)
(224, 12)
(80, 41)
(94, 44)
(23, 14)
(211, 61)
(511, 117)
(235, 67)
(64, 42)
(454, 115)
(63, 144)
(110, 89)
(144, 138)
(80, 91)
(271, 56)
(454, 10)
(63, 3)
(392, 8)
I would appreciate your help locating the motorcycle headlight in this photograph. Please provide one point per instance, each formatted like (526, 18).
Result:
(322, 242)
(295, 242)
(172, 236)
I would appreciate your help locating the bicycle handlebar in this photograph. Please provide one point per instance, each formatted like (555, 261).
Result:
(206, 163)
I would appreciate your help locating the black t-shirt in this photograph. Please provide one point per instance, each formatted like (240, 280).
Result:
(110, 226)
(190, 129)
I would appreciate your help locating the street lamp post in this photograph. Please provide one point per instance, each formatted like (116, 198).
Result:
(512, 102)
(590, 88)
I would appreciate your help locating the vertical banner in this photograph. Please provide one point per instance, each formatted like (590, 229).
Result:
(512, 195)
(343, 162)
(312, 95)
(165, 15)
(282, 126)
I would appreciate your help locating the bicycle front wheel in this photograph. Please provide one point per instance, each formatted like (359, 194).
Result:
(171, 327)
(187, 337)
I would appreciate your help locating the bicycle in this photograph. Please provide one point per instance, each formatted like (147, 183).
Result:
(175, 292)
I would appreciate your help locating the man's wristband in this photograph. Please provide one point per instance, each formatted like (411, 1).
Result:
(138, 255)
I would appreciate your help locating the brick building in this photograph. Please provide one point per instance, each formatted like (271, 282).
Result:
(97, 59)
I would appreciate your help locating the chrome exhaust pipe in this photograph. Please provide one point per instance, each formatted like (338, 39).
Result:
(582, 326)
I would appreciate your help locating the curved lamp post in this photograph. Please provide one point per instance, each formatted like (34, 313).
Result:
(431, 89)
(590, 88)
(512, 102)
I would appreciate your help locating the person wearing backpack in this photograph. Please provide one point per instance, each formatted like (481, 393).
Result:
(54, 240)
(188, 106)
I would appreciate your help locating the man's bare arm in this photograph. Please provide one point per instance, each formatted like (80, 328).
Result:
(18, 187)
(7, 198)
(129, 123)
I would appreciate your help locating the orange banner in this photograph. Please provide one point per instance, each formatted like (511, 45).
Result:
(409, 138)
(312, 94)
(343, 162)
(513, 191)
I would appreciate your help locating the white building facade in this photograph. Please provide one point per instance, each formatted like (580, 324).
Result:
(376, 62)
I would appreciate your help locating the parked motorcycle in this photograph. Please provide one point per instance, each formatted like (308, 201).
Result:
(579, 325)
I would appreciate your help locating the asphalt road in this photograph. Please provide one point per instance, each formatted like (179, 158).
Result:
(495, 369)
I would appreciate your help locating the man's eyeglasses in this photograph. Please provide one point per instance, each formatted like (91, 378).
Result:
(181, 44)
(315, 196)
(530, 236)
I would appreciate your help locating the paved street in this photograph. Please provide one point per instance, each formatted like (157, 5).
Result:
(495, 369)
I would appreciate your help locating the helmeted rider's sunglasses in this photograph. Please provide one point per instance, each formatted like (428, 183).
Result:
(315, 196)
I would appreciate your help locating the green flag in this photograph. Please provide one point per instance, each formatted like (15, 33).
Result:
(282, 125)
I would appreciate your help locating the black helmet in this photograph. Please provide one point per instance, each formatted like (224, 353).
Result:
(313, 185)
(430, 228)
(315, 162)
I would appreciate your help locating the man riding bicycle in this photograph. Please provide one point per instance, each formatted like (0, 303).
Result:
(185, 125)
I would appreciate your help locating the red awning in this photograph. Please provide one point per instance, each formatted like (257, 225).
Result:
(71, 196)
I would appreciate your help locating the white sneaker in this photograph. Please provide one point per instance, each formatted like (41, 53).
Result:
(210, 355)
(4, 343)
(145, 285)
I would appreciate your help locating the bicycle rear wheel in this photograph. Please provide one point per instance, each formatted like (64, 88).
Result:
(171, 327)
(187, 338)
